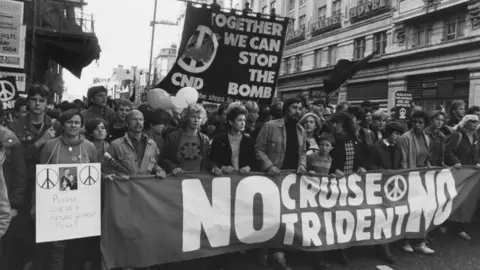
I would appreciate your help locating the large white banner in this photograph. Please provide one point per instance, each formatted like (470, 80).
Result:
(12, 34)
(67, 201)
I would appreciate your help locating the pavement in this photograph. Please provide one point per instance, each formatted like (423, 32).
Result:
(452, 253)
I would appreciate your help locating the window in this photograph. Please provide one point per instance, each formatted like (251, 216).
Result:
(422, 35)
(290, 26)
(358, 48)
(380, 42)
(287, 65)
(264, 10)
(318, 58)
(336, 8)
(302, 2)
(298, 63)
(322, 13)
(301, 22)
(332, 55)
(291, 4)
(272, 5)
(454, 28)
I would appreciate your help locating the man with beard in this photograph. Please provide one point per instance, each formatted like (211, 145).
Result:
(97, 101)
(135, 151)
(281, 145)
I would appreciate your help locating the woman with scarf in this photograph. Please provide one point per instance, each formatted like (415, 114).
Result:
(69, 148)
(462, 149)
(414, 149)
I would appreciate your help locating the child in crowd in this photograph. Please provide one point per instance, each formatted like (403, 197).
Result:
(318, 159)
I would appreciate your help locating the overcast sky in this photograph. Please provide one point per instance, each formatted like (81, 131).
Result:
(122, 27)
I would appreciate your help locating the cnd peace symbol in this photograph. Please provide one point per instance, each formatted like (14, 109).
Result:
(395, 188)
(203, 43)
(7, 91)
(47, 179)
(89, 175)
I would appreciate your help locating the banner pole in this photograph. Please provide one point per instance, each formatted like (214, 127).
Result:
(152, 24)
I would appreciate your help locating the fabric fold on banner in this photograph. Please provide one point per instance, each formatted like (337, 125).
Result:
(151, 222)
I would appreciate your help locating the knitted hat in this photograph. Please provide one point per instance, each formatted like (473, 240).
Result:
(392, 127)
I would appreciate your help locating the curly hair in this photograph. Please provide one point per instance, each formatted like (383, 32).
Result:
(191, 110)
(346, 120)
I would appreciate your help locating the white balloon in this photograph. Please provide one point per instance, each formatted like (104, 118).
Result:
(189, 94)
(179, 103)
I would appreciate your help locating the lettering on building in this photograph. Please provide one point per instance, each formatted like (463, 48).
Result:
(326, 24)
(368, 9)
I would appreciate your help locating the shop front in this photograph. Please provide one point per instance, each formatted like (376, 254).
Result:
(375, 92)
(438, 90)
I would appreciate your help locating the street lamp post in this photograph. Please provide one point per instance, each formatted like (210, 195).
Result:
(152, 24)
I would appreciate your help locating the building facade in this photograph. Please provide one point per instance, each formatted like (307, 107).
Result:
(428, 47)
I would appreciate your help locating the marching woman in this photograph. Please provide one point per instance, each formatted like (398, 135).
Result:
(348, 155)
(414, 150)
(69, 148)
(96, 132)
(462, 149)
(233, 150)
(186, 150)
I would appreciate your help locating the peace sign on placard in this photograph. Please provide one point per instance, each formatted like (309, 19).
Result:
(7, 90)
(89, 175)
(47, 179)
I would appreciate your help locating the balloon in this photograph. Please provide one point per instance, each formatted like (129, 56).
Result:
(188, 94)
(159, 99)
(179, 103)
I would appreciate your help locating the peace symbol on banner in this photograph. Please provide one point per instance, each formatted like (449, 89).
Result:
(200, 52)
(47, 179)
(395, 188)
(89, 175)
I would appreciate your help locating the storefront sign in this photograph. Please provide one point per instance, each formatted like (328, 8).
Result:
(403, 105)
(368, 9)
(324, 25)
(12, 34)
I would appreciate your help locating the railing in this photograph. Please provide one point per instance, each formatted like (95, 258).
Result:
(325, 24)
(64, 18)
(296, 35)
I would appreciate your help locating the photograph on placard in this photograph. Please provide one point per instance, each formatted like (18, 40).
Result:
(69, 178)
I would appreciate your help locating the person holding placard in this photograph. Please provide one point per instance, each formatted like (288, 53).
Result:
(70, 148)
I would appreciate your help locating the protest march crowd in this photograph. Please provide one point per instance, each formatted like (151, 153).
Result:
(242, 137)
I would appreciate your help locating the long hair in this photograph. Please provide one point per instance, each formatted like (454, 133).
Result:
(347, 122)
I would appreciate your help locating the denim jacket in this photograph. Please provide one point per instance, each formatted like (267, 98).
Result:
(124, 153)
(272, 143)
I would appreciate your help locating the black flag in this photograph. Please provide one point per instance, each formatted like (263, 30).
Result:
(343, 71)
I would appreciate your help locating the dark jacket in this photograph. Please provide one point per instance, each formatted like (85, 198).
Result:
(437, 147)
(382, 159)
(362, 147)
(221, 152)
(460, 150)
(168, 157)
(15, 173)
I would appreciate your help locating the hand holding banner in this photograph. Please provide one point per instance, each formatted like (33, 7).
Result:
(203, 215)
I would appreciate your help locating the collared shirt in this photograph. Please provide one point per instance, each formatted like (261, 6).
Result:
(139, 146)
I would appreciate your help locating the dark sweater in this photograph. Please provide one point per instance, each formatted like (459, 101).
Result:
(291, 156)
